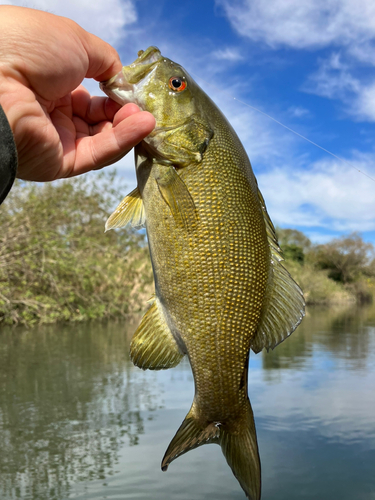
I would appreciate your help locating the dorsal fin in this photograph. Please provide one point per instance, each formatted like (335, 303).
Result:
(284, 305)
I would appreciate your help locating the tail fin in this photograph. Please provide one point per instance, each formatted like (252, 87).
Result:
(240, 449)
(238, 443)
(190, 435)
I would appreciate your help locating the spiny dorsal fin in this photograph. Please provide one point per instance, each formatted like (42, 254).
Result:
(129, 211)
(176, 195)
(284, 304)
(153, 346)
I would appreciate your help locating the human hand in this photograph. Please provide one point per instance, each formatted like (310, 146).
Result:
(59, 129)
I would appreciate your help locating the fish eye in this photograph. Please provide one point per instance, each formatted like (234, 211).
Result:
(177, 84)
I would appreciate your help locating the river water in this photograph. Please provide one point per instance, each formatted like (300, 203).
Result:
(79, 421)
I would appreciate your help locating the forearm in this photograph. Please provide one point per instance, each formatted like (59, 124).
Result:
(8, 156)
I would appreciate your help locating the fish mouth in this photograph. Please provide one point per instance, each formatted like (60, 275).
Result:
(148, 56)
(123, 87)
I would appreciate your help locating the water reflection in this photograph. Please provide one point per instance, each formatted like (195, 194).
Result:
(70, 399)
(72, 409)
(345, 332)
(327, 380)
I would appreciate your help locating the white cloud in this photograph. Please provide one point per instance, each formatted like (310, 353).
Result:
(364, 105)
(104, 18)
(330, 195)
(363, 52)
(334, 80)
(228, 54)
(346, 26)
(298, 111)
(301, 25)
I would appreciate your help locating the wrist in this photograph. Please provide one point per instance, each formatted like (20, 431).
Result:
(8, 97)
(13, 97)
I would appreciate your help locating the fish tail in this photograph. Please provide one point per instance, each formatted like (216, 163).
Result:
(191, 434)
(238, 443)
(240, 448)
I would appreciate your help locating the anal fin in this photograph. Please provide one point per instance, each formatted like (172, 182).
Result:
(153, 346)
(129, 211)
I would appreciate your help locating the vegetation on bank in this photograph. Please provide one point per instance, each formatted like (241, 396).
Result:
(57, 264)
(340, 271)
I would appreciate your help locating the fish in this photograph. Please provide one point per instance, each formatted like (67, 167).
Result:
(220, 287)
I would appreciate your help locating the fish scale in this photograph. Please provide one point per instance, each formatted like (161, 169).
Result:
(220, 288)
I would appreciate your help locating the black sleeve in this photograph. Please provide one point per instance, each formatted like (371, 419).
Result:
(8, 157)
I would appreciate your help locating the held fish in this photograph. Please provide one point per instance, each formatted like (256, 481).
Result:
(220, 289)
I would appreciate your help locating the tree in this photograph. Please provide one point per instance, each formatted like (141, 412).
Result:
(293, 243)
(346, 258)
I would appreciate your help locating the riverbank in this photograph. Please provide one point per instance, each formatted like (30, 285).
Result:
(318, 289)
(57, 264)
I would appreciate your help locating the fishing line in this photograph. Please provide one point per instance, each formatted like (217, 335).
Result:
(290, 129)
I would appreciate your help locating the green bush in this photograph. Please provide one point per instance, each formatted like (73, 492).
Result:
(347, 259)
(317, 287)
(342, 270)
(56, 262)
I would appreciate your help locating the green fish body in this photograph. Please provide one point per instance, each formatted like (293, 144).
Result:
(220, 289)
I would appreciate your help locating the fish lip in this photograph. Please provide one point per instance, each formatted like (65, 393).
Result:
(123, 87)
(114, 85)
(135, 72)
(148, 56)
(118, 89)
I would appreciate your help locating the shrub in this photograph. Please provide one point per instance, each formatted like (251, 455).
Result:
(56, 262)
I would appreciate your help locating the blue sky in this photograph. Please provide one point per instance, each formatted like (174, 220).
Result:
(309, 64)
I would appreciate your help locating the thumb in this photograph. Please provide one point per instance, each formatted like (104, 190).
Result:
(104, 61)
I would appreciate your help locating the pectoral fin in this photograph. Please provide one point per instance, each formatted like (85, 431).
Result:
(176, 195)
(129, 211)
(153, 346)
(284, 305)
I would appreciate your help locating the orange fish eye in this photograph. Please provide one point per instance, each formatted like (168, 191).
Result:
(177, 84)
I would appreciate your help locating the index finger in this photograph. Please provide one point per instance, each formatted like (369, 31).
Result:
(94, 109)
